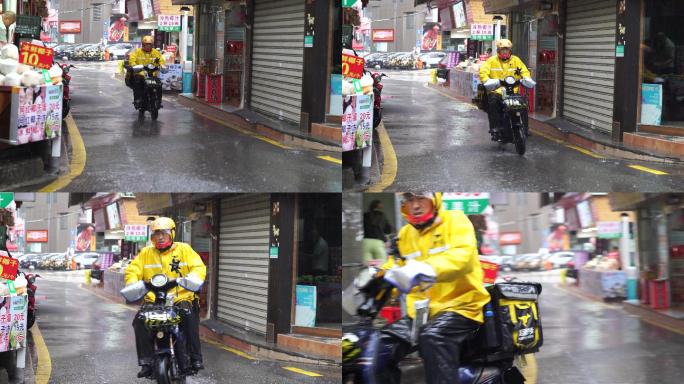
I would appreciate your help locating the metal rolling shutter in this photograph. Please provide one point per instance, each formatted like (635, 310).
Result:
(277, 58)
(590, 63)
(243, 261)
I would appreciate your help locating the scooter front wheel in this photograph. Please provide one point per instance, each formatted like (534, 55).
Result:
(154, 113)
(519, 138)
(163, 370)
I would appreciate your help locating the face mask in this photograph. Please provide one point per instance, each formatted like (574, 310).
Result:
(420, 219)
(504, 55)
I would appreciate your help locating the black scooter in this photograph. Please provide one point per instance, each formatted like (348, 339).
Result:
(162, 319)
(152, 88)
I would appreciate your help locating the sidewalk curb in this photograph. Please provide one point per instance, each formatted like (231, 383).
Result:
(235, 121)
(611, 149)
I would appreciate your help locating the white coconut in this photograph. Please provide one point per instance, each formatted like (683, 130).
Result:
(12, 80)
(32, 78)
(21, 68)
(8, 66)
(10, 51)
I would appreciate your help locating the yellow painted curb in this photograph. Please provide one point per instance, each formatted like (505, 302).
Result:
(78, 158)
(44, 366)
(389, 167)
(649, 170)
(229, 349)
(330, 159)
(303, 372)
(530, 370)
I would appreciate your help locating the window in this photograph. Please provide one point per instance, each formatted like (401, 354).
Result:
(64, 222)
(410, 22)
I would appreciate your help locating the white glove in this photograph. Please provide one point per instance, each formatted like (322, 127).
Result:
(492, 84)
(410, 275)
(528, 83)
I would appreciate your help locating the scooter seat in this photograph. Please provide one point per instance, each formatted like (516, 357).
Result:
(487, 374)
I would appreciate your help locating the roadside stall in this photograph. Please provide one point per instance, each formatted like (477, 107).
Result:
(357, 111)
(30, 96)
(601, 278)
(13, 309)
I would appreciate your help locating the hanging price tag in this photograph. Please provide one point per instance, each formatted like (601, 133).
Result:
(357, 85)
(46, 76)
(11, 287)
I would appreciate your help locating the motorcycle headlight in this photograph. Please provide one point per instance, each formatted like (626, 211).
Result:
(150, 66)
(510, 80)
(160, 335)
(159, 280)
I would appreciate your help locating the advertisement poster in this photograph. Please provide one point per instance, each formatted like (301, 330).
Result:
(85, 238)
(37, 236)
(305, 312)
(147, 9)
(71, 26)
(352, 66)
(13, 322)
(651, 104)
(118, 29)
(39, 113)
(357, 122)
(432, 37)
(8, 266)
(460, 15)
(172, 80)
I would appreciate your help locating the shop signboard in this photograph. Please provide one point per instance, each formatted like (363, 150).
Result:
(352, 66)
(37, 236)
(70, 26)
(305, 311)
(6, 198)
(29, 26)
(348, 3)
(510, 238)
(586, 218)
(432, 37)
(609, 229)
(147, 9)
(135, 232)
(36, 55)
(113, 216)
(13, 322)
(453, 58)
(460, 15)
(651, 104)
(172, 80)
(357, 122)
(482, 32)
(169, 23)
(382, 35)
(470, 203)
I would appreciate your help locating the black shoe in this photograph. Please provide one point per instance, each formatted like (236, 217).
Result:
(146, 371)
(197, 365)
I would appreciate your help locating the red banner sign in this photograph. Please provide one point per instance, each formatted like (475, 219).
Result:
(36, 56)
(383, 35)
(510, 238)
(8, 267)
(352, 66)
(71, 26)
(39, 236)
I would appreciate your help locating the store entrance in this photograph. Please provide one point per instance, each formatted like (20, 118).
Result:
(319, 273)
(234, 60)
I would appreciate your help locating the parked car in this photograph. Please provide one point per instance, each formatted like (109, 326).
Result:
(506, 264)
(85, 260)
(27, 260)
(560, 259)
(431, 59)
(527, 262)
(118, 51)
(377, 61)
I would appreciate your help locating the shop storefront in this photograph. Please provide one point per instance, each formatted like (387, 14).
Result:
(660, 228)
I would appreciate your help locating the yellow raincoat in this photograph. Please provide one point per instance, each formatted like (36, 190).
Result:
(151, 262)
(495, 68)
(141, 57)
(449, 246)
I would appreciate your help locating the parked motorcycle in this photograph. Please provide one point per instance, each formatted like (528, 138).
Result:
(377, 98)
(515, 128)
(151, 100)
(66, 79)
(480, 362)
(162, 319)
(31, 292)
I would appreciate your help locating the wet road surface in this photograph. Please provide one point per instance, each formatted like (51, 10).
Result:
(181, 151)
(444, 144)
(90, 340)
